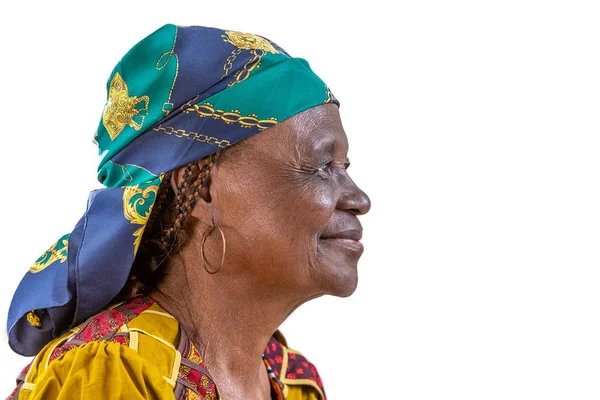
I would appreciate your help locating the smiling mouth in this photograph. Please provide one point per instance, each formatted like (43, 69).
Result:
(350, 234)
(349, 239)
(348, 244)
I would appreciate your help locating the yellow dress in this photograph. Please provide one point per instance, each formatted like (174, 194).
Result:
(140, 353)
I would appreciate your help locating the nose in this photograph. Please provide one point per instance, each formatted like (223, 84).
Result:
(354, 200)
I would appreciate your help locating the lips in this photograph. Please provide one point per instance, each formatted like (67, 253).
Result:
(350, 234)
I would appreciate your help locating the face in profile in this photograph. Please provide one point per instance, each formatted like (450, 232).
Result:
(288, 207)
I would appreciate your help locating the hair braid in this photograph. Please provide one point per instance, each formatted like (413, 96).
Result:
(164, 235)
(180, 210)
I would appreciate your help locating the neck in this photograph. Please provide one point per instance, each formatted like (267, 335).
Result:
(230, 318)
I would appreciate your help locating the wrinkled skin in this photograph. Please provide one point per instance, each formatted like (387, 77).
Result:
(289, 214)
(279, 195)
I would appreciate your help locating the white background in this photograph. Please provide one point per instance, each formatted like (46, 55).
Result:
(473, 126)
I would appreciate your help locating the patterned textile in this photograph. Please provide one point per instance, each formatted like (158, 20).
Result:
(192, 380)
(277, 387)
(181, 94)
(291, 367)
(103, 326)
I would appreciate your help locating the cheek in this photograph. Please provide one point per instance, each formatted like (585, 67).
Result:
(280, 220)
(308, 207)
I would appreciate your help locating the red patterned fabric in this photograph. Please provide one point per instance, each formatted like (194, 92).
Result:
(137, 305)
(193, 375)
(122, 338)
(274, 355)
(104, 326)
(59, 351)
(298, 367)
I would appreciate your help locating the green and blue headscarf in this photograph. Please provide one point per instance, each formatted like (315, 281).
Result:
(179, 95)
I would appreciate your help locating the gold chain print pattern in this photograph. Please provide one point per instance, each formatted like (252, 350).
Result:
(258, 46)
(231, 117)
(229, 63)
(121, 109)
(126, 175)
(162, 62)
(182, 133)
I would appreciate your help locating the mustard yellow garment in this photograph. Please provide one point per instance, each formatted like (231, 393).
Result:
(100, 370)
(144, 368)
(301, 392)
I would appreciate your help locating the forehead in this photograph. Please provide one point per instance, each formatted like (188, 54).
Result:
(318, 128)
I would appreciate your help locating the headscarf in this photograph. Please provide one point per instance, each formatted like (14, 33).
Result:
(179, 95)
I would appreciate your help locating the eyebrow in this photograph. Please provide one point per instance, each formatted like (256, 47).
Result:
(324, 146)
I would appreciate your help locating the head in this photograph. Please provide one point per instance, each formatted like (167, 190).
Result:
(245, 141)
(284, 201)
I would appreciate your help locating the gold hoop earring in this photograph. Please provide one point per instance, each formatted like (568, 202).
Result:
(204, 261)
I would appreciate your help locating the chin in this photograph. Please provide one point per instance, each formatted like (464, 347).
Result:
(347, 291)
(341, 282)
(336, 270)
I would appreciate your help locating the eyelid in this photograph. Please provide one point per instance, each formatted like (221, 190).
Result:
(327, 164)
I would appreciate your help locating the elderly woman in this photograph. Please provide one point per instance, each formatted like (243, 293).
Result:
(227, 205)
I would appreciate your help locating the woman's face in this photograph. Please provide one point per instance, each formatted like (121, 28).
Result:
(288, 208)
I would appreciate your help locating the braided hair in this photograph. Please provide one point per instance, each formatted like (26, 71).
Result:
(163, 235)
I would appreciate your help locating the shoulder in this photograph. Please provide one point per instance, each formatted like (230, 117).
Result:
(124, 350)
(109, 368)
(300, 377)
